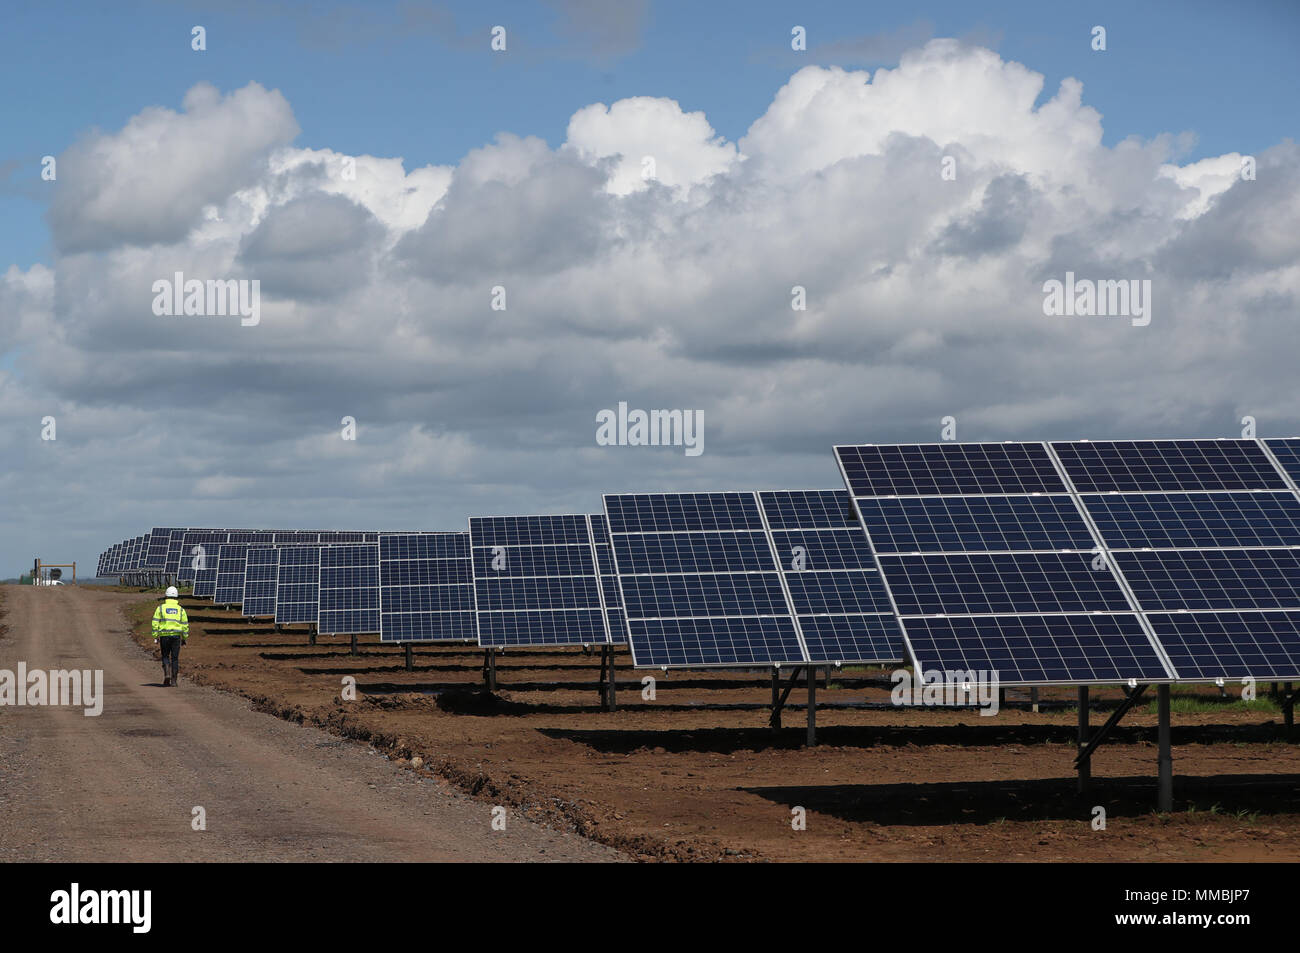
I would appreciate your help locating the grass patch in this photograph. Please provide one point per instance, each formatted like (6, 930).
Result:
(1200, 704)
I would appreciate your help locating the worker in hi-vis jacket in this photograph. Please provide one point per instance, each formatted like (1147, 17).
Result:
(170, 626)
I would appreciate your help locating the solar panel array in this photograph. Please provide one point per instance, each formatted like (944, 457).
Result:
(991, 565)
(349, 589)
(1078, 562)
(1207, 535)
(426, 590)
(536, 581)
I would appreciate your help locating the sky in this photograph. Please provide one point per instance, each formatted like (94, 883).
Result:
(644, 186)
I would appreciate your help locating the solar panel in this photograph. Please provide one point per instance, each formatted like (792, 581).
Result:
(229, 585)
(296, 537)
(1287, 452)
(1213, 645)
(974, 523)
(992, 567)
(1147, 465)
(426, 592)
(961, 468)
(696, 587)
(1206, 533)
(349, 589)
(843, 611)
(197, 548)
(172, 564)
(297, 587)
(262, 566)
(1195, 520)
(536, 581)
(608, 579)
(155, 556)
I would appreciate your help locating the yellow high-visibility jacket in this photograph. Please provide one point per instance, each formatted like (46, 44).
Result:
(170, 619)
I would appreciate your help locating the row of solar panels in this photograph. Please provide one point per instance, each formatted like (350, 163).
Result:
(1049, 563)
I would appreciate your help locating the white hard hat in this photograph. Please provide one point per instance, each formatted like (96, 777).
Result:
(171, 592)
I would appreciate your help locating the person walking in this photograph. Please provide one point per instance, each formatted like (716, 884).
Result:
(170, 626)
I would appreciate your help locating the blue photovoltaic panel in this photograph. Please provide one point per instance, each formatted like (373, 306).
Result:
(426, 588)
(996, 569)
(1287, 451)
(681, 512)
(808, 509)
(733, 613)
(297, 589)
(296, 537)
(944, 468)
(1152, 465)
(1195, 520)
(1231, 645)
(205, 576)
(349, 589)
(1028, 650)
(347, 536)
(156, 556)
(173, 563)
(229, 586)
(608, 579)
(189, 558)
(535, 581)
(838, 597)
(974, 523)
(1013, 583)
(262, 566)
(1213, 579)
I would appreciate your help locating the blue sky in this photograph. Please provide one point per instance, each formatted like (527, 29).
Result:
(381, 78)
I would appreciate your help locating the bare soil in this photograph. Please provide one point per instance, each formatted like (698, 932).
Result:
(696, 773)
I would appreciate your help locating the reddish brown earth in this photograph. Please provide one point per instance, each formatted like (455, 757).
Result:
(672, 779)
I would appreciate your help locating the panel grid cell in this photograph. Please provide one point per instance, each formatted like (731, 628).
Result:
(1195, 520)
(1151, 465)
(261, 567)
(975, 524)
(229, 586)
(840, 602)
(349, 589)
(297, 590)
(426, 588)
(948, 468)
(699, 582)
(536, 581)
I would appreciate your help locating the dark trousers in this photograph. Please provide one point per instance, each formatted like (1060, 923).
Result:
(171, 654)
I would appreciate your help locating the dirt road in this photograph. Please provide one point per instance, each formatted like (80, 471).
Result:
(124, 785)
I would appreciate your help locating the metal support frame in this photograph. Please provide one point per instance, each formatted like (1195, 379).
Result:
(1289, 698)
(311, 633)
(490, 669)
(1084, 760)
(811, 679)
(410, 657)
(353, 650)
(608, 685)
(778, 701)
(1165, 796)
(1084, 764)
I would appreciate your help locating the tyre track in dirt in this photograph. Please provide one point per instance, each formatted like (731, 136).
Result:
(122, 786)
